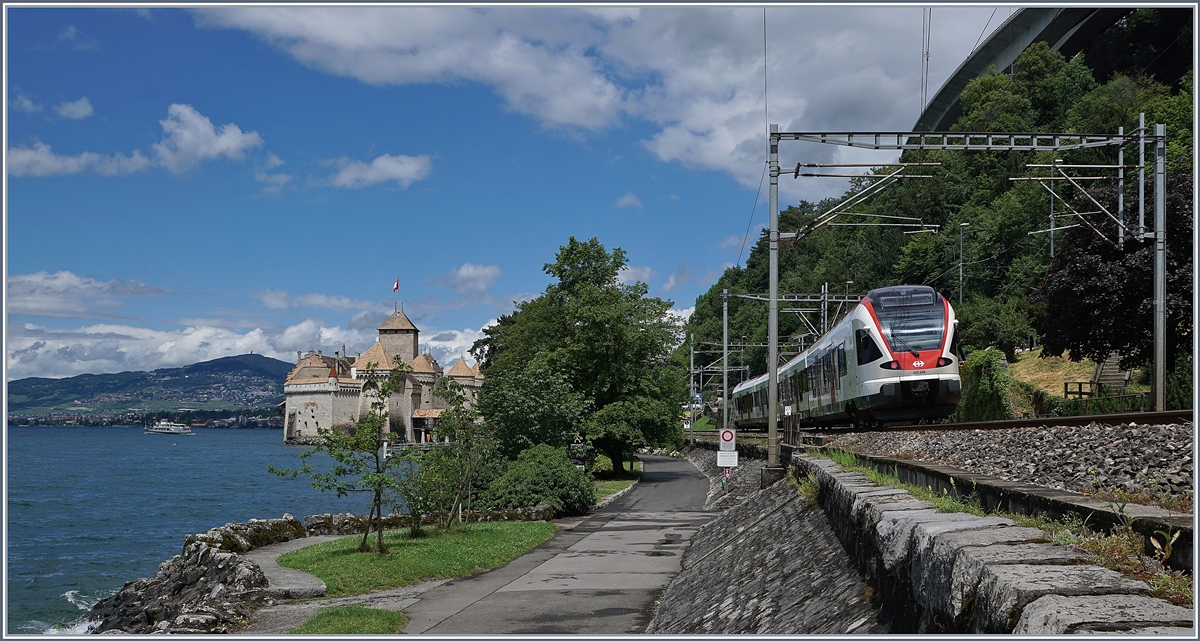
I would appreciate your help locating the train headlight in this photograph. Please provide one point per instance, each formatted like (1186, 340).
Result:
(943, 361)
(891, 365)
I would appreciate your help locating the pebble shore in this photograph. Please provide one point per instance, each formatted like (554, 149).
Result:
(1129, 457)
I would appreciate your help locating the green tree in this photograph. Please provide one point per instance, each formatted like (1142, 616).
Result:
(359, 461)
(411, 493)
(453, 469)
(624, 425)
(1097, 300)
(533, 405)
(605, 340)
(990, 321)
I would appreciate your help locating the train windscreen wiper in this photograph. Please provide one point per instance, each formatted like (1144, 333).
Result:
(904, 345)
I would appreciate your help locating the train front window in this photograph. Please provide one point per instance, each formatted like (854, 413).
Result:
(914, 328)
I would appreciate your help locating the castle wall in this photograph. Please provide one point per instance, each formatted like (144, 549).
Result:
(308, 407)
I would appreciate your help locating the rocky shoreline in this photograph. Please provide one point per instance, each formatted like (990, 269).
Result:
(1130, 457)
(208, 588)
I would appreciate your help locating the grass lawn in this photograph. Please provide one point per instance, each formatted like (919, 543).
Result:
(609, 482)
(353, 619)
(1050, 373)
(475, 548)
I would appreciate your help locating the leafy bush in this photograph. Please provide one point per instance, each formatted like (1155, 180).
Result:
(543, 474)
(1178, 388)
(985, 388)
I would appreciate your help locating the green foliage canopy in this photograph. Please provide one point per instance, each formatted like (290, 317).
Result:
(587, 342)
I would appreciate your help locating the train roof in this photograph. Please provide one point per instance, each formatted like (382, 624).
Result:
(903, 295)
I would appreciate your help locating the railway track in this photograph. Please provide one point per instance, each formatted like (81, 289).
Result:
(1142, 418)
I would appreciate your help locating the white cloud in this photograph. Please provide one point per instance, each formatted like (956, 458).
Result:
(694, 73)
(732, 241)
(189, 137)
(40, 160)
(682, 314)
(449, 345)
(272, 298)
(76, 110)
(34, 350)
(680, 277)
(23, 103)
(470, 279)
(402, 169)
(274, 182)
(629, 200)
(279, 299)
(631, 274)
(540, 63)
(335, 303)
(64, 294)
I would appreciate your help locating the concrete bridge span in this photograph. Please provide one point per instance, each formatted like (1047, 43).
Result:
(1066, 30)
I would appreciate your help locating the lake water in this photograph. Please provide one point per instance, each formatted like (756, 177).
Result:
(90, 508)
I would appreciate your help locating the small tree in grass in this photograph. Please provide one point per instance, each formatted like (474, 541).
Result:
(359, 463)
(411, 492)
(450, 471)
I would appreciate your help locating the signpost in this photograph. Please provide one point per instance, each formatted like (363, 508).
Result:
(727, 459)
(728, 440)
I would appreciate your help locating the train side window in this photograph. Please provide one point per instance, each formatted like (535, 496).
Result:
(868, 349)
(841, 358)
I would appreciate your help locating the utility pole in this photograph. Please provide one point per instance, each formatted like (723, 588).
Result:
(773, 310)
(725, 358)
(1160, 267)
(1141, 175)
(691, 382)
(1121, 193)
(1051, 231)
(960, 249)
(824, 308)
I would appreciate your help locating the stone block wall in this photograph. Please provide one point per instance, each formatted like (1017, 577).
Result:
(768, 564)
(346, 524)
(952, 573)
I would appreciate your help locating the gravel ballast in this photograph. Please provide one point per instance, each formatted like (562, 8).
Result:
(1129, 457)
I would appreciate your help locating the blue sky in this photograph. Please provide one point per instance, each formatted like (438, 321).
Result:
(185, 184)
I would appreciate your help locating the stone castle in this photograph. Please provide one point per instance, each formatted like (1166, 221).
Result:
(328, 391)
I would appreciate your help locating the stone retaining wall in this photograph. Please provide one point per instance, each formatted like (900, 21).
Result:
(995, 494)
(323, 524)
(944, 572)
(947, 572)
(209, 587)
(769, 564)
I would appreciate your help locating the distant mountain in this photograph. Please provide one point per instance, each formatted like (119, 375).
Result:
(233, 382)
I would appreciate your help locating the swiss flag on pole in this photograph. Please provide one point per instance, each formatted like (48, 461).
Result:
(397, 285)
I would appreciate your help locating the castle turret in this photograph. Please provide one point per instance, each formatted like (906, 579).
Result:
(399, 336)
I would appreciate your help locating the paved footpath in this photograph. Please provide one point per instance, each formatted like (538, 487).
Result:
(599, 574)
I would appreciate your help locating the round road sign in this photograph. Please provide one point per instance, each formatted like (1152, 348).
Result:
(726, 436)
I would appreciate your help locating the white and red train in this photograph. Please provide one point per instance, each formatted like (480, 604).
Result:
(889, 359)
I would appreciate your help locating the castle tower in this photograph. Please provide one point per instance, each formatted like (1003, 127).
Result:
(399, 336)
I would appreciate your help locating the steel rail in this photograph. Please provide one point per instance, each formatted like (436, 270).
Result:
(1141, 418)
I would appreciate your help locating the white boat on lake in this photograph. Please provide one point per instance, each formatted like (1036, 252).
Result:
(167, 427)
